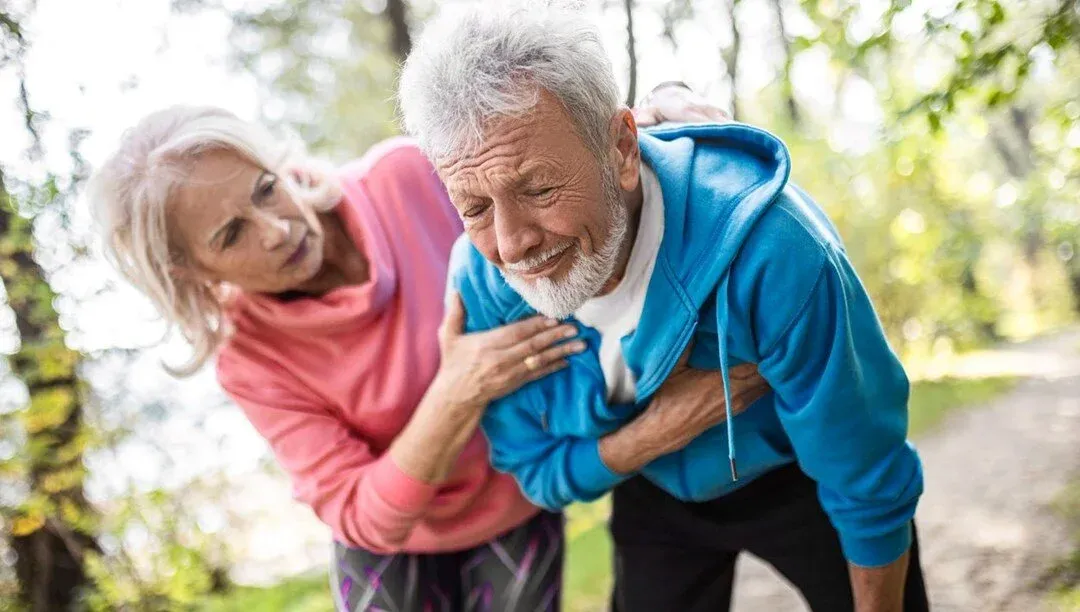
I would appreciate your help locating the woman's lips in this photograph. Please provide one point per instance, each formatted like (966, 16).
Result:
(299, 254)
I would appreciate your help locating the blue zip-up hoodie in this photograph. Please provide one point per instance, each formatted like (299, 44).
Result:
(749, 270)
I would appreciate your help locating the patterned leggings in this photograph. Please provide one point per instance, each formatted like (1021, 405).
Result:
(518, 571)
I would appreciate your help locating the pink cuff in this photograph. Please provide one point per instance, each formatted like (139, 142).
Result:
(401, 491)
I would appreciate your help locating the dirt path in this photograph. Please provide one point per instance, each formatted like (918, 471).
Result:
(985, 527)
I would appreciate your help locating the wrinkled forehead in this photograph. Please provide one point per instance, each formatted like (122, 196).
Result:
(514, 150)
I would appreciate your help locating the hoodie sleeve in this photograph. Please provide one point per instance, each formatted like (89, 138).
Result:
(364, 498)
(552, 470)
(841, 392)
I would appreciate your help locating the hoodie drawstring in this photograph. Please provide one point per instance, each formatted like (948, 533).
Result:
(721, 332)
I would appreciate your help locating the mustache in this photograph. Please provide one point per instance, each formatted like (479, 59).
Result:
(538, 260)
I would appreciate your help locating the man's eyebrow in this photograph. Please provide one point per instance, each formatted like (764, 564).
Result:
(533, 170)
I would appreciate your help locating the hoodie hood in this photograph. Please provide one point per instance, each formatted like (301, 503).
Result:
(731, 173)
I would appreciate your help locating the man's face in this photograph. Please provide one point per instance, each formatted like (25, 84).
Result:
(538, 204)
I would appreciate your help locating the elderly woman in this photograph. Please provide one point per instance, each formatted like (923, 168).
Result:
(321, 295)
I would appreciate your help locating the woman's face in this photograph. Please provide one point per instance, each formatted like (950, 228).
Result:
(237, 223)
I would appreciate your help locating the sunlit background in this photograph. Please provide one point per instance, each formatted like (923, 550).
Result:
(942, 137)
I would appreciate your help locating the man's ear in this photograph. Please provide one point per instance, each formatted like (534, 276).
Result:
(624, 135)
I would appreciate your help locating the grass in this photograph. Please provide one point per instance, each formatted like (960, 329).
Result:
(1064, 578)
(309, 593)
(932, 400)
(588, 559)
(587, 583)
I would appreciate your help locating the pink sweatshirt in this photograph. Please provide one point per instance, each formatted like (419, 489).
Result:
(330, 381)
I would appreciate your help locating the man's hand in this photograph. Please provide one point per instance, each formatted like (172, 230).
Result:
(880, 589)
(689, 402)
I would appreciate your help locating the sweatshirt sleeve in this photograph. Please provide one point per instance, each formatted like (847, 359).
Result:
(552, 470)
(365, 499)
(842, 399)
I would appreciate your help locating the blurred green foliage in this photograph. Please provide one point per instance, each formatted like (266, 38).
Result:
(299, 594)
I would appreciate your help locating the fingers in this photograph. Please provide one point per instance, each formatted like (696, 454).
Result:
(541, 360)
(513, 333)
(551, 360)
(453, 323)
(748, 385)
(515, 370)
(541, 341)
(707, 113)
(715, 114)
(645, 117)
(681, 105)
(748, 396)
(551, 368)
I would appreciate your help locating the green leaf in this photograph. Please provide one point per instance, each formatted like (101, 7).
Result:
(934, 119)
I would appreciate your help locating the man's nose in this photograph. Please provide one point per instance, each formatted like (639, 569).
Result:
(515, 233)
(274, 231)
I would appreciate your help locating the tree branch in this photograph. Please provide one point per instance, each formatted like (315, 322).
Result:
(400, 38)
(731, 58)
(631, 51)
(785, 75)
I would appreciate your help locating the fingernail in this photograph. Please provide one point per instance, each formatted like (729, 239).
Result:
(551, 322)
(578, 346)
(570, 332)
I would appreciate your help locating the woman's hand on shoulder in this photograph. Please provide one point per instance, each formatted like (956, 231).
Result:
(675, 102)
(483, 366)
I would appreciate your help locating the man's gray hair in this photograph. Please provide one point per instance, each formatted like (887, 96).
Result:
(477, 61)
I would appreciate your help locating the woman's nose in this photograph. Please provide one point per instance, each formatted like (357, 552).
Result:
(275, 232)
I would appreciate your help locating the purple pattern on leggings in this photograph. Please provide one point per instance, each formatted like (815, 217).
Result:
(520, 570)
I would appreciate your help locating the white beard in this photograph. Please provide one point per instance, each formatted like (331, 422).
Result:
(587, 275)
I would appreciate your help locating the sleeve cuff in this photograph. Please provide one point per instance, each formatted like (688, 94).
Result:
(400, 490)
(876, 551)
(593, 477)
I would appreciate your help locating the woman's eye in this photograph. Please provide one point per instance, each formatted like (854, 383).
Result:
(232, 234)
(267, 188)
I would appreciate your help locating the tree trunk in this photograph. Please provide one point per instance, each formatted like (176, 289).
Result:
(49, 535)
(731, 59)
(631, 52)
(789, 58)
(1032, 233)
(397, 15)
(1074, 281)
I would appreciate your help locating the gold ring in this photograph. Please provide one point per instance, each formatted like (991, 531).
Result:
(532, 362)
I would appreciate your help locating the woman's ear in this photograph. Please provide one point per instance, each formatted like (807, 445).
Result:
(184, 273)
(181, 268)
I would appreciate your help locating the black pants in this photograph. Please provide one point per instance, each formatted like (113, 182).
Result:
(675, 555)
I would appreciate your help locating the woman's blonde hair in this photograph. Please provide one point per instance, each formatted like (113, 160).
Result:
(131, 190)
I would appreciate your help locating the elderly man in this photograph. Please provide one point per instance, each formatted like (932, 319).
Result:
(682, 241)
